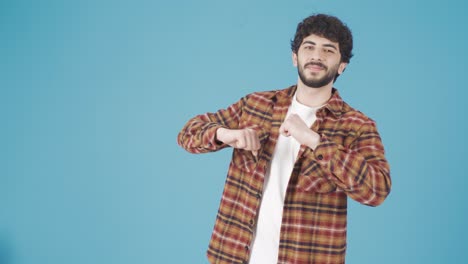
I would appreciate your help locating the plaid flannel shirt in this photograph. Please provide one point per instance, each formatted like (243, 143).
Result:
(348, 162)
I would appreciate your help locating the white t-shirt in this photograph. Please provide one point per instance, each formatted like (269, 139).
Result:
(265, 245)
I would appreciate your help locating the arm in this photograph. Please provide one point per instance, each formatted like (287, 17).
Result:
(360, 170)
(214, 131)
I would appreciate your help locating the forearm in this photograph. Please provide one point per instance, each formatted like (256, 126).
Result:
(365, 177)
(199, 133)
(359, 169)
(199, 136)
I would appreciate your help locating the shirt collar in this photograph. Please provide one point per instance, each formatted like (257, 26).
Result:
(335, 104)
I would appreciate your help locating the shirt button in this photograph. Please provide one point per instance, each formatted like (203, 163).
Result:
(251, 222)
(246, 247)
(258, 195)
(320, 157)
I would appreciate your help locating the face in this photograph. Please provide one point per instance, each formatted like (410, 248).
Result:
(318, 61)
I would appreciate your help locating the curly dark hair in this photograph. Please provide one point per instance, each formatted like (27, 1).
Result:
(325, 26)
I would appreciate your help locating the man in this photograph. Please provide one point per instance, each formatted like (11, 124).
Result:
(298, 154)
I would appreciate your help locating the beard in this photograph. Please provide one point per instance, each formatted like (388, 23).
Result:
(315, 82)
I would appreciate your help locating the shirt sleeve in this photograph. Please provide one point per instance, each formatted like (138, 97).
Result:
(199, 133)
(360, 170)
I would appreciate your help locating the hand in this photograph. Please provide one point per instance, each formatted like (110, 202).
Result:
(240, 138)
(294, 126)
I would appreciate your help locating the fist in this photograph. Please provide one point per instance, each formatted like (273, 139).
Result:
(239, 138)
(294, 126)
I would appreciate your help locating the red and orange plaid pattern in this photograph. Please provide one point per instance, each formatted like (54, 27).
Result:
(348, 162)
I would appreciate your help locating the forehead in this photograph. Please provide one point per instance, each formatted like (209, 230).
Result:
(318, 40)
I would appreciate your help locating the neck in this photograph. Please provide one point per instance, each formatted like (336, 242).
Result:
(313, 97)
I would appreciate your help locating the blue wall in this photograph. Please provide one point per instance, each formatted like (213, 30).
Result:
(93, 94)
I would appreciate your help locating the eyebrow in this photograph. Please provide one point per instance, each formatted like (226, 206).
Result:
(325, 45)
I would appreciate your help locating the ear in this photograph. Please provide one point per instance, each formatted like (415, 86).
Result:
(294, 59)
(342, 67)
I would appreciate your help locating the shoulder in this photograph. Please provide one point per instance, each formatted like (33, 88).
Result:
(355, 116)
(357, 119)
(262, 95)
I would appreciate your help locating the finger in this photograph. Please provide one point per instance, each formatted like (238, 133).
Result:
(256, 143)
(253, 140)
(240, 143)
(248, 140)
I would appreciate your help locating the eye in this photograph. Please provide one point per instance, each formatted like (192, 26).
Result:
(329, 51)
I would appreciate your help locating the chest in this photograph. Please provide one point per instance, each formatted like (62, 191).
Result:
(266, 120)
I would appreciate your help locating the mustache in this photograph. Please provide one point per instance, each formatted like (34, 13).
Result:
(316, 64)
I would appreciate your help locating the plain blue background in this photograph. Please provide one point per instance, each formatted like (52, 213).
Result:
(94, 93)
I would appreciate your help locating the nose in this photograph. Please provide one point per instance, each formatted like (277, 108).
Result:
(316, 55)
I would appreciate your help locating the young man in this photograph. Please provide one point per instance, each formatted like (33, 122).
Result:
(298, 154)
